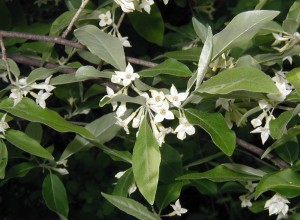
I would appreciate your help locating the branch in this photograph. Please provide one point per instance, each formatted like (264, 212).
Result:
(66, 32)
(57, 40)
(256, 150)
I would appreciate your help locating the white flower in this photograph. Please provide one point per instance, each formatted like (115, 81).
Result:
(120, 174)
(126, 5)
(264, 133)
(166, 1)
(245, 201)
(136, 122)
(3, 125)
(132, 189)
(224, 103)
(250, 186)
(3, 76)
(176, 98)
(41, 97)
(48, 88)
(105, 19)
(61, 171)
(258, 121)
(125, 78)
(124, 123)
(162, 112)
(263, 104)
(110, 94)
(162, 133)
(283, 87)
(279, 38)
(62, 162)
(16, 95)
(277, 205)
(146, 5)
(124, 40)
(157, 98)
(184, 128)
(121, 110)
(178, 210)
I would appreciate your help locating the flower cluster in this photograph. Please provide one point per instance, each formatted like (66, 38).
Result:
(289, 40)
(159, 107)
(284, 89)
(277, 205)
(246, 199)
(131, 5)
(22, 88)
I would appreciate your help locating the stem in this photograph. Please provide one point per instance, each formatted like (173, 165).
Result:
(69, 28)
(120, 20)
(256, 150)
(4, 57)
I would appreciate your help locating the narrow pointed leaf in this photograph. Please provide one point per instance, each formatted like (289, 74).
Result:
(278, 125)
(214, 124)
(168, 67)
(240, 30)
(103, 45)
(294, 78)
(30, 111)
(27, 144)
(203, 62)
(55, 195)
(191, 54)
(145, 162)
(123, 184)
(3, 158)
(167, 194)
(200, 29)
(239, 79)
(220, 174)
(131, 207)
(285, 182)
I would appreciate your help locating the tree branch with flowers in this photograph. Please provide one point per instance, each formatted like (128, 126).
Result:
(157, 103)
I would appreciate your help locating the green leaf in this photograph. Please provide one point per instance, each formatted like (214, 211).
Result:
(292, 21)
(123, 184)
(30, 111)
(149, 26)
(104, 129)
(55, 195)
(203, 63)
(145, 162)
(278, 125)
(90, 72)
(200, 29)
(103, 45)
(219, 174)
(214, 124)
(171, 165)
(294, 78)
(167, 194)
(122, 98)
(286, 182)
(168, 67)
(239, 79)
(240, 168)
(191, 54)
(20, 170)
(241, 30)
(289, 151)
(12, 65)
(3, 158)
(35, 131)
(40, 74)
(205, 187)
(131, 207)
(27, 144)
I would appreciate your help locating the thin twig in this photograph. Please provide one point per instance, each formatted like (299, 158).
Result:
(4, 58)
(120, 20)
(141, 62)
(57, 40)
(256, 150)
(69, 28)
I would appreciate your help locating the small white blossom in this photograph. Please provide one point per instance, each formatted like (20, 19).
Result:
(16, 95)
(120, 174)
(157, 98)
(132, 188)
(264, 133)
(166, 1)
(126, 5)
(178, 210)
(3, 126)
(277, 205)
(124, 123)
(105, 19)
(184, 128)
(283, 87)
(146, 5)
(124, 40)
(136, 122)
(162, 134)
(250, 186)
(62, 162)
(61, 171)
(45, 85)
(3, 76)
(263, 104)
(121, 110)
(245, 201)
(176, 98)
(110, 94)
(41, 97)
(224, 103)
(125, 78)
(162, 112)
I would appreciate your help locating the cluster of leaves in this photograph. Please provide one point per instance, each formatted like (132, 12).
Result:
(231, 77)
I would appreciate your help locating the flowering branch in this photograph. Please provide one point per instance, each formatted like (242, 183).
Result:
(82, 6)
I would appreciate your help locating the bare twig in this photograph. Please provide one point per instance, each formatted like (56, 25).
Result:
(256, 150)
(4, 57)
(141, 62)
(69, 28)
(121, 20)
(57, 40)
